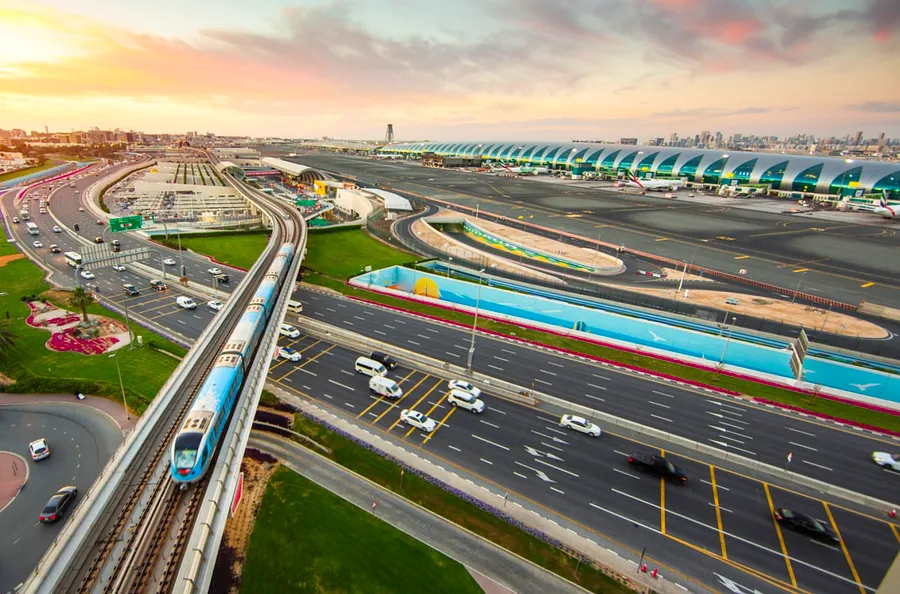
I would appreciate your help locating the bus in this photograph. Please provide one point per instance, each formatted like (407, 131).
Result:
(73, 259)
(32, 228)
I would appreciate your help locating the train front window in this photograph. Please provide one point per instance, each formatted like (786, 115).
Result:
(186, 447)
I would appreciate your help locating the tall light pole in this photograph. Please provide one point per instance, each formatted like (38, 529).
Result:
(121, 386)
(594, 256)
(684, 273)
(797, 290)
(475, 323)
(728, 339)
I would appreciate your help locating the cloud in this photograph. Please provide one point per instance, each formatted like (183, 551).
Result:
(876, 107)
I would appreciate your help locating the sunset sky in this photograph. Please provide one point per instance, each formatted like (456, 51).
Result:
(453, 69)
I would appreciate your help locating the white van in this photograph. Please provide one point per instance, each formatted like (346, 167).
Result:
(384, 386)
(465, 400)
(295, 306)
(369, 367)
(186, 302)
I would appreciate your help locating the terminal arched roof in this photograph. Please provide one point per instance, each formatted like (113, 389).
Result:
(801, 173)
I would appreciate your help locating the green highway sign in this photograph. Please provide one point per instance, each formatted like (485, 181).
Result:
(125, 223)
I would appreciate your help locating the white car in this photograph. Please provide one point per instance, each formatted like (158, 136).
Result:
(289, 354)
(289, 331)
(215, 305)
(580, 424)
(119, 267)
(465, 400)
(39, 449)
(38, 244)
(464, 386)
(80, 209)
(417, 420)
(87, 274)
(169, 262)
(888, 461)
(214, 271)
(56, 229)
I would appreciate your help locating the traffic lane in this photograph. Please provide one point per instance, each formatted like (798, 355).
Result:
(872, 543)
(726, 424)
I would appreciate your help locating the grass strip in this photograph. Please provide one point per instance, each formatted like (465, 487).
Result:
(10, 175)
(482, 519)
(338, 548)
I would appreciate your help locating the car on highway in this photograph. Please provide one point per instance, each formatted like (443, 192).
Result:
(289, 331)
(383, 358)
(465, 400)
(87, 274)
(807, 525)
(80, 209)
(16, 220)
(580, 424)
(56, 507)
(885, 460)
(158, 285)
(657, 465)
(417, 420)
(130, 290)
(185, 302)
(169, 262)
(119, 267)
(289, 354)
(465, 386)
(214, 271)
(43, 211)
(38, 244)
(56, 229)
(99, 222)
(215, 305)
(39, 449)
(98, 240)
(54, 249)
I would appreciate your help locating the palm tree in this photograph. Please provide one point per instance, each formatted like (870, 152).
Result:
(7, 338)
(81, 299)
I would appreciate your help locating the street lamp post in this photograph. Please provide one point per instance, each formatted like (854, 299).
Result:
(684, 273)
(594, 256)
(728, 339)
(475, 323)
(122, 387)
(797, 290)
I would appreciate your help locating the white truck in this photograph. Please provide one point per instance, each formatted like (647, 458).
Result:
(385, 387)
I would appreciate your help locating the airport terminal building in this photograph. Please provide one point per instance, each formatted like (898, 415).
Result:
(793, 173)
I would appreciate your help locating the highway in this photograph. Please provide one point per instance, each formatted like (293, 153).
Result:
(719, 523)
(847, 262)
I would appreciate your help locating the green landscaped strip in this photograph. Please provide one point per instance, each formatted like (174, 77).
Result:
(240, 250)
(9, 175)
(344, 253)
(37, 369)
(387, 474)
(6, 248)
(306, 539)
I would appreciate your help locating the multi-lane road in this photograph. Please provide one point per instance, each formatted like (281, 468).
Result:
(844, 261)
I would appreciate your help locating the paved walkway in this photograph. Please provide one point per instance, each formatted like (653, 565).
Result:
(500, 570)
(110, 408)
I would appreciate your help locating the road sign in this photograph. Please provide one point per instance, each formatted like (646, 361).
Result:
(122, 224)
(101, 255)
(238, 493)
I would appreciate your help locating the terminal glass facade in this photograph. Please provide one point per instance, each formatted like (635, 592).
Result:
(666, 167)
(647, 162)
(774, 174)
(742, 172)
(609, 160)
(890, 185)
(848, 179)
(627, 161)
(689, 168)
(806, 180)
(713, 172)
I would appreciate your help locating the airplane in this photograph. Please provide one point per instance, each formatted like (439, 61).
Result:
(885, 209)
(659, 185)
(520, 170)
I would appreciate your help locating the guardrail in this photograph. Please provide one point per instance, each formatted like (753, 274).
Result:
(530, 397)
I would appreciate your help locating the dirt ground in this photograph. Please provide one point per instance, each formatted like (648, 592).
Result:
(676, 274)
(10, 258)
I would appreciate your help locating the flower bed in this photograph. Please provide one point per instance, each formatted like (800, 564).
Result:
(65, 341)
(62, 321)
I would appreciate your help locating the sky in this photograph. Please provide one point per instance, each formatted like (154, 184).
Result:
(460, 70)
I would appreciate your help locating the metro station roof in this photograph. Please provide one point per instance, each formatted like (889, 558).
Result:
(285, 166)
(391, 201)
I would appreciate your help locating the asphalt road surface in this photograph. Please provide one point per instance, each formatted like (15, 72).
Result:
(719, 524)
(82, 439)
(847, 262)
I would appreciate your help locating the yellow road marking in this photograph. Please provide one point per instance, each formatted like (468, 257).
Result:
(308, 361)
(430, 410)
(167, 313)
(290, 344)
(712, 475)
(662, 499)
(896, 533)
(440, 424)
(801, 270)
(787, 560)
(866, 285)
(424, 396)
(837, 531)
(381, 398)
(662, 239)
(393, 405)
(741, 257)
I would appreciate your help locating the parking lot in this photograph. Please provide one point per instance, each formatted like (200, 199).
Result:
(719, 514)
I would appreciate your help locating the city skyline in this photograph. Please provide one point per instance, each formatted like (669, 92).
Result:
(501, 69)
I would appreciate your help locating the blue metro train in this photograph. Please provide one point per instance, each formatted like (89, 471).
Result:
(196, 441)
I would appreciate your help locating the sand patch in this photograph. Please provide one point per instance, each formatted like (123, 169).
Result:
(675, 275)
(9, 258)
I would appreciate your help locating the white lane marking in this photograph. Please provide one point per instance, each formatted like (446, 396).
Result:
(359, 318)
(803, 432)
(495, 367)
(350, 373)
(413, 342)
(318, 313)
(501, 359)
(539, 461)
(603, 377)
(626, 518)
(508, 351)
(502, 447)
(552, 447)
(800, 445)
(596, 386)
(722, 404)
(350, 405)
(620, 453)
(454, 448)
(627, 474)
(555, 364)
(371, 414)
(520, 475)
(558, 491)
(342, 385)
(389, 326)
(305, 370)
(425, 336)
(728, 446)
(658, 404)
(731, 439)
(817, 465)
(540, 381)
(340, 305)
(399, 322)
(555, 430)
(198, 317)
(595, 398)
(368, 313)
(380, 332)
(547, 372)
(719, 487)
(486, 461)
(720, 507)
(181, 322)
(331, 309)
(460, 346)
(348, 322)
(451, 354)
(661, 418)
(496, 410)
(663, 394)
(735, 426)
(542, 434)
(489, 424)
(432, 330)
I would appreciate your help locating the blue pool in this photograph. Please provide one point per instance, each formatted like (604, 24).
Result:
(655, 330)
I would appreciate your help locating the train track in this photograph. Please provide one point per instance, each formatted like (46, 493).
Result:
(140, 546)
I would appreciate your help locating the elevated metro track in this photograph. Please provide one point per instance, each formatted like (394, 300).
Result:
(130, 532)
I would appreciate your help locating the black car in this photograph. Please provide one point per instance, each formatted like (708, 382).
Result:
(57, 505)
(221, 278)
(384, 359)
(130, 289)
(98, 240)
(657, 465)
(804, 524)
(116, 246)
(54, 249)
(158, 285)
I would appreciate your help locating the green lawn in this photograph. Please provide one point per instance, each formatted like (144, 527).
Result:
(236, 250)
(307, 539)
(37, 369)
(387, 474)
(14, 174)
(345, 253)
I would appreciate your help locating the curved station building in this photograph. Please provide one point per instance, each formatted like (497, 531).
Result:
(781, 172)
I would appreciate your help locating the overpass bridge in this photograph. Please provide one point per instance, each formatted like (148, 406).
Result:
(135, 530)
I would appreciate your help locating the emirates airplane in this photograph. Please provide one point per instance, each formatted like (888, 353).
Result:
(885, 209)
(659, 185)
